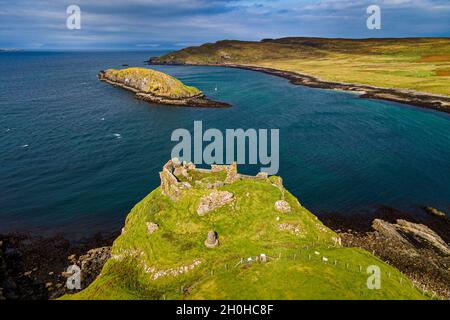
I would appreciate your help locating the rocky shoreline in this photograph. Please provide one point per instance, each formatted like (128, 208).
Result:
(199, 101)
(419, 247)
(410, 97)
(33, 268)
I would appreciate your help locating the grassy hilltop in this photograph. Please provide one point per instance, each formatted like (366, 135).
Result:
(152, 82)
(161, 253)
(421, 64)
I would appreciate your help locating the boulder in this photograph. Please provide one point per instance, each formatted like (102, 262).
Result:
(411, 234)
(91, 264)
(214, 200)
(282, 206)
(152, 227)
(434, 212)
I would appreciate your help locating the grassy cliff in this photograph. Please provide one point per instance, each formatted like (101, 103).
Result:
(152, 82)
(421, 64)
(161, 253)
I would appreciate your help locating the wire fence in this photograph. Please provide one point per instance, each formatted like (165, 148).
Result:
(311, 253)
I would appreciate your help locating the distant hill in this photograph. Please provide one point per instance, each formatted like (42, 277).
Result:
(10, 50)
(421, 64)
(215, 234)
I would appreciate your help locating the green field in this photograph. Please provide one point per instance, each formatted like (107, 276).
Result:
(421, 64)
(247, 227)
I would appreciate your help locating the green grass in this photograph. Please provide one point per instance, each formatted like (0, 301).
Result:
(247, 227)
(420, 64)
(153, 82)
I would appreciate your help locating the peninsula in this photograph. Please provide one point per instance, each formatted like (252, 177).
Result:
(218, 234)
(413, 71)
(157, 87)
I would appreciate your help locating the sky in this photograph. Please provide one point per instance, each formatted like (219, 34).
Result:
(172, 24)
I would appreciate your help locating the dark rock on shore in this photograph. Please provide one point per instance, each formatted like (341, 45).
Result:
(31, 268)
(417, 247)
(434, 212)
(414, 235)
(91, 264)
(410, 97)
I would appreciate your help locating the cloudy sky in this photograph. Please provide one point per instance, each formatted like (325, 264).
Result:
(168, 24)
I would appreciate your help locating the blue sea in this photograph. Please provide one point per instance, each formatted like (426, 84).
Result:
(77, 154)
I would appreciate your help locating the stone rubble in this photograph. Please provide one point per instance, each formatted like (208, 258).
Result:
(155, 274)
(282, 206)
(214, 200)
(289, 227)
(152, 227)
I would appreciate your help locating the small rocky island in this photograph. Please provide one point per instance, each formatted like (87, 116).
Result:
(157, 87)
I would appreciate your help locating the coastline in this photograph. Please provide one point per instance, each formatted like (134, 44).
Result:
(34, 266)
(410, 97)
(200, 101)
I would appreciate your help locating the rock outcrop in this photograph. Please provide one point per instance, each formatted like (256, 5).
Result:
(91, 264)
(434, 212)
(411, 234)
(282, 206)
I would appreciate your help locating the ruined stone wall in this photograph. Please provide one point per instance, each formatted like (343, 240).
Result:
(172, 187)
